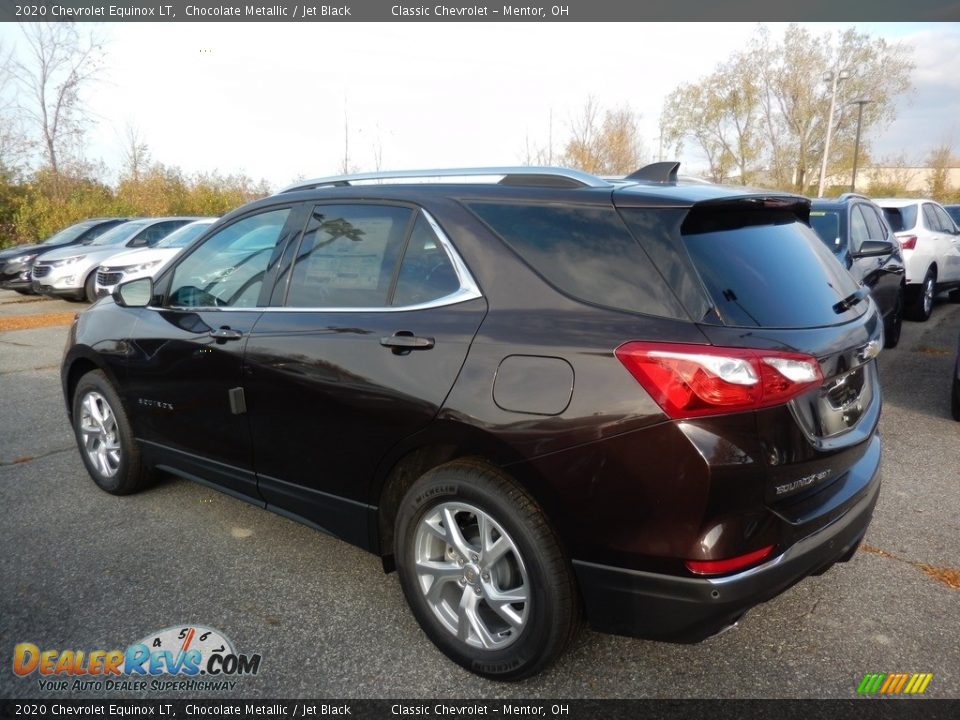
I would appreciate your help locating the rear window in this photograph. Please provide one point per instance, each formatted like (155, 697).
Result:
(585, 252)
(901, 218)
(826, 224)
(765, 268)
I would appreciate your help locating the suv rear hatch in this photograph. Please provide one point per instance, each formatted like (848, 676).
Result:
(752, 274)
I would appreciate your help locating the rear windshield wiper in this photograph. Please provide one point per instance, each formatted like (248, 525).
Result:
(851, 300)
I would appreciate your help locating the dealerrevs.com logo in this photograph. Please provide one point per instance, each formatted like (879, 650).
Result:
(198, 657)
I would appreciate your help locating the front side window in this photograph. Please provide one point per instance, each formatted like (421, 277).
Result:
(348, 256)
(858, 229)
(227, 270)
(875, 224)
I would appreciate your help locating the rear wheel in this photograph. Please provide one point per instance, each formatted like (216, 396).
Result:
(484, 573)
(894, 322)
(105, 438)
(921, 304)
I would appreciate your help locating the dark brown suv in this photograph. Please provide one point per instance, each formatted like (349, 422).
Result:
(536, 393)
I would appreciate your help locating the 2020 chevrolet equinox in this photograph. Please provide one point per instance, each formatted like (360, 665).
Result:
(537, 393)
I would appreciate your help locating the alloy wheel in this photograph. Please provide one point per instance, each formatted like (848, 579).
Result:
(99, 434)
(472, 575)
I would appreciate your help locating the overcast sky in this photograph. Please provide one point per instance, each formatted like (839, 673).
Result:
(269, 99)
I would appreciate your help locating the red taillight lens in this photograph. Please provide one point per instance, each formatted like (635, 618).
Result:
(696, 380)
(908, 242)
(717, 567)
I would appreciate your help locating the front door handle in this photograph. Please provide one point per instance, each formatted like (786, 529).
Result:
(226, 333)
(405, 341)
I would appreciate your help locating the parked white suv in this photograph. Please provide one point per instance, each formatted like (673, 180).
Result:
(930, 242)
(148, 261)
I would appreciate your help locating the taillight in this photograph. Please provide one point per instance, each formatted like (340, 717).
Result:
(717, 567)
(696, 380)
(908, 242)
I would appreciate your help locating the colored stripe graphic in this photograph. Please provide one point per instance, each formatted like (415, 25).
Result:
(894, 683)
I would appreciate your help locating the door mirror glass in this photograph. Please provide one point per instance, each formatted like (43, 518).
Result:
(136, 293)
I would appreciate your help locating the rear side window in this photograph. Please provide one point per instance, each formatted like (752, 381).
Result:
(765, 268)
(585, 252)
(901, 218)
(348, 256)
(426, 272)
(930, 218)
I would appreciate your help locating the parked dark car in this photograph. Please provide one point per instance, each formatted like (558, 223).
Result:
(17, 262)
(857, 232)
(652, 401)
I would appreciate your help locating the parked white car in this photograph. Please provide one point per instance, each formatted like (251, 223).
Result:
(147, 262)
(70, 272)
(930, 242)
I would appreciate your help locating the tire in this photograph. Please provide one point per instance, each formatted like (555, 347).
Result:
(955, 398)
(921, 302)
(894, 322)
(461, 614)
(90, 287)
(104, 437)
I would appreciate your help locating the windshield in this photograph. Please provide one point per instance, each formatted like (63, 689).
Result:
(184, 236)
(827, 227)
(901, 218)
(68, 234)
(120, 234)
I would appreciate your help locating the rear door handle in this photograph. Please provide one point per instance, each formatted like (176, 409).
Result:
(226, 333)
(407, 341)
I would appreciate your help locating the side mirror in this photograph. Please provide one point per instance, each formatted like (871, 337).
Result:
(874, 248)
(136, 293)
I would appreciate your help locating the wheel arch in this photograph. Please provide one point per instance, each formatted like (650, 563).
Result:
(437, 445)
(78, 363)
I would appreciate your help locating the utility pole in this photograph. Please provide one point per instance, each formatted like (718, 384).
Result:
(834, 78)
(859, 102)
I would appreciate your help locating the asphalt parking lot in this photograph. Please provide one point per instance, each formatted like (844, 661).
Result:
(81, 569)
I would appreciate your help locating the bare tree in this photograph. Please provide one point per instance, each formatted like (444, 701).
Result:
(58, 63)
(606, 143)
(14, 146)
(136, 153)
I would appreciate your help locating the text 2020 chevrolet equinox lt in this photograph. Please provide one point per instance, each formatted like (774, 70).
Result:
(537, 393)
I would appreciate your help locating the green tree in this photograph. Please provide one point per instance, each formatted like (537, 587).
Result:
(721, 115)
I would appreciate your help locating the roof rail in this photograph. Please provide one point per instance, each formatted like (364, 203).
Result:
(659, 172)
(529, 176)
(849, 195)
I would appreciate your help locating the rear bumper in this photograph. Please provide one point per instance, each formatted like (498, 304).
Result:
(679, 609)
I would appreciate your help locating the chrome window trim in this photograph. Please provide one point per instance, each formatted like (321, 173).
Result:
(468, 290)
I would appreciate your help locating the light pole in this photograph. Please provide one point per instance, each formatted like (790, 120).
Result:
(834, 78)
(859, 102)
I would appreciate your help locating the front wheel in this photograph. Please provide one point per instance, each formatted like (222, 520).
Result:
(90, 288)
(483, 572)
(105, 438)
